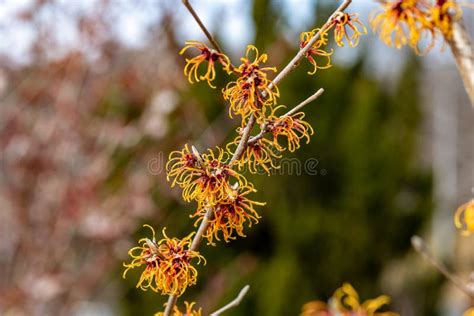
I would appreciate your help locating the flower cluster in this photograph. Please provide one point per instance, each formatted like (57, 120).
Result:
(203, 177)
(229, 216)
(189, 311)
(464, 218)
(251, 92)
(215, 185)
(346, 26)
(168, 268)
(346, 302)
(408, 22)
(292, 127)
(209, 55)
(260, 155)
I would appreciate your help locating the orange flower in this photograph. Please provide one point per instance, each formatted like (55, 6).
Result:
(293, 127)
(340, 21)
(259, 154)
(464, 218)
(443, 14)
(250, 92)
(403, 22)
(203, 177)
(315, 308)
(188, 312)
(315, 49)
(469, 312)
(211, 56)
(229, 216)
(167, 264)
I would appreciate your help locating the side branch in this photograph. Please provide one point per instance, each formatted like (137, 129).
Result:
(264, 127)
(201, 230)
(285, 71)
(239, 151)
(202, 26)
(463, 52)
(305, 102)
(170, 304)
(421, 247)
(235, 302)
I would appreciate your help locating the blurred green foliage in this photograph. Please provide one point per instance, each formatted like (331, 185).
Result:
(344, 224)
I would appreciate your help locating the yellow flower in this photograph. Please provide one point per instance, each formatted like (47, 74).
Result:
(443, 14)
(250, 92)
(167, 264)
(315, 49)
(188, 312)
(229, 216)
(464, 218)
(293, 127)
(347, 302)
(211, 56)
(340, 21)
(203, 177)
(469, 312)
(403, 22)
(259, 154)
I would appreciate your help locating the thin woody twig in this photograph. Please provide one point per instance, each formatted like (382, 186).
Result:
(291, 65)
(305, 102)
(264, 127)
(421, 247)
(244, 140)
(301, 53)
(170, 304)
(201, 230)
(202, 26)
(235, 302)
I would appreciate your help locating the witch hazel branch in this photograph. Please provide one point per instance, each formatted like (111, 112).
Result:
(213, 179)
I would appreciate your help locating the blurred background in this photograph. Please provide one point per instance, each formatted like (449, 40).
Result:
(93, 99)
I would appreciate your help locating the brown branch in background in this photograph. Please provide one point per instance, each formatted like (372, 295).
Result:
(463, 52)
(235, 302)
(421, 247)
